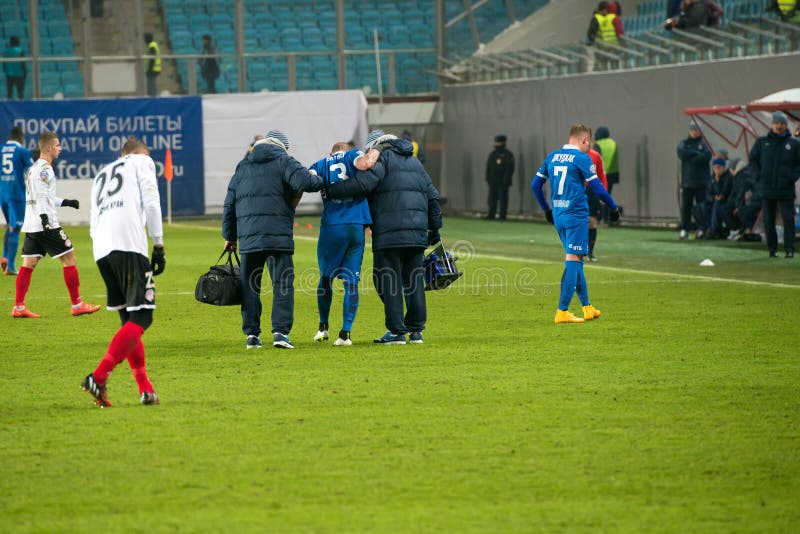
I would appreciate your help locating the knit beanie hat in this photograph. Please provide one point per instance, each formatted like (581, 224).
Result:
(279, 136)
(373, 136)
(779, 116)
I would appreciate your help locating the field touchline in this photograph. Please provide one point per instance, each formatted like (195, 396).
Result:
(594, 266)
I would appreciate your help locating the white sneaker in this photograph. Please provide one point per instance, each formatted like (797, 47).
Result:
(733, 235)
(342, 342)
(322, 335)
(683, 235)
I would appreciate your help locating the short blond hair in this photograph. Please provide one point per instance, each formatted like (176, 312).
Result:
(340, 146)
(47, 139)
(577, 129)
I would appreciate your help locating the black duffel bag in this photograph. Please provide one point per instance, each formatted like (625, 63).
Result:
(221, 285)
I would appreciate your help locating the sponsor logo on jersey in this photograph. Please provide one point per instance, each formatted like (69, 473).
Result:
(561, 203)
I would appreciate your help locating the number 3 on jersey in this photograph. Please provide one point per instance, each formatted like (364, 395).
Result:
(340, 169)
(561, 173)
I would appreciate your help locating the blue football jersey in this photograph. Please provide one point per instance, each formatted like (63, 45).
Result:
(569, 170)
(335, 168)
(14, 159)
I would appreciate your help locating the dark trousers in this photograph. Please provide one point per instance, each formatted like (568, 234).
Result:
(769, 207)
(398, 276)
(19, 83)
(211, 85)
(151, 83)
(281, 271)
(689, 197)
(498, 193)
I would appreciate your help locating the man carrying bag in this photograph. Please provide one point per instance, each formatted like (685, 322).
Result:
(221, 285)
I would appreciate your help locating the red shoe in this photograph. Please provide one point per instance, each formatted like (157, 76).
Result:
(85, 308)
(23, 313)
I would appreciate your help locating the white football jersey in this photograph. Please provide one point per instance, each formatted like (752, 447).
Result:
(40, 197)
(125, 199)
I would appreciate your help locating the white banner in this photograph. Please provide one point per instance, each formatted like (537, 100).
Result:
(313, 121)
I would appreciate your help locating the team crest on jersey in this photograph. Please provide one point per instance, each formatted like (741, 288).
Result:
(788, 146)
(149, 295)
(593, 168)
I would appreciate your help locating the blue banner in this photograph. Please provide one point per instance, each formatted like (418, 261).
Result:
(93, 131)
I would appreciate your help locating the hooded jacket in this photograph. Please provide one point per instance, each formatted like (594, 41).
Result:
(775, 162)
(695, 157)
(259, 207)
(403, 200)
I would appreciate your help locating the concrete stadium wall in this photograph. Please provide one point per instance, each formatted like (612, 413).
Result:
(643, 109)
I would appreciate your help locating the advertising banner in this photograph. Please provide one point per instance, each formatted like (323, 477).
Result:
(93, 131)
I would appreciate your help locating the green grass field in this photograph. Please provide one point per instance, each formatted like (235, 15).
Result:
(677, 411)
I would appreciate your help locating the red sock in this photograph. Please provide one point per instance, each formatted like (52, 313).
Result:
(136, 361)
(23, 283)
(121, 346)
(73, 283)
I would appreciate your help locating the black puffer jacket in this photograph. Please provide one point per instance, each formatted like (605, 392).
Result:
(775, 162)
(695, 157)
(259, 207)
(403, 200)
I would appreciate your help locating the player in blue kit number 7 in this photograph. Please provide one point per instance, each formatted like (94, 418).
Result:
(340, 248)
(570, 170)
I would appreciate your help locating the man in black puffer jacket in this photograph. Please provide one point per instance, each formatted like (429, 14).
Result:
(775, 162)
(259, 212)
(694, 156)
(406, 217)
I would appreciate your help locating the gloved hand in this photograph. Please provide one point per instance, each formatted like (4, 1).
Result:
(45, 221)
(324, 193)
(433, 237)
(380, 147)
(157, 261)
(548, 215)
(613, 215)
(70, 203)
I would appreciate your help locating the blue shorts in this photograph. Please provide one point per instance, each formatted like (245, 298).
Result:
(574, 236)
(13, 211)
(340, 250)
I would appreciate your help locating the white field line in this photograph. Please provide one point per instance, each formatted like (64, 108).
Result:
(590, 267)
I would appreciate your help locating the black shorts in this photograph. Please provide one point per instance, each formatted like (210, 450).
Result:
(129, 281)
(594, 203)
(54, 242)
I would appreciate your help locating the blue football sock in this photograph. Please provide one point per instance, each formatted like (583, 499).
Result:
(324, 298)
(568, 282)
(5, 243)
(350, 305)
(581, 288)
(10, 249)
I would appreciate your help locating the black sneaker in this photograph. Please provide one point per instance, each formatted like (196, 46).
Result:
(149, 398)
(415, 337)
(773, 254)
(95, 390)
